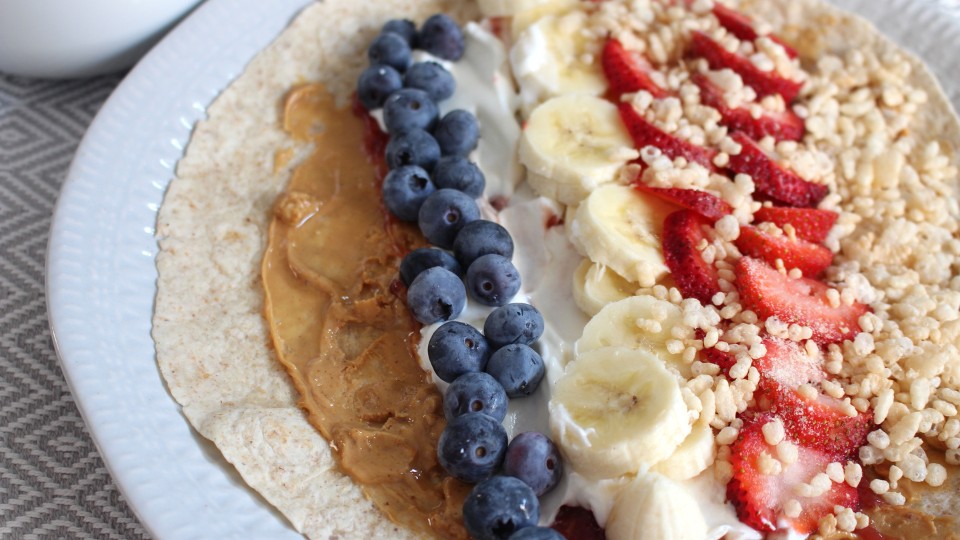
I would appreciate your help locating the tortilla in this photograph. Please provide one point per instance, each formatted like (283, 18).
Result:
(212, 343)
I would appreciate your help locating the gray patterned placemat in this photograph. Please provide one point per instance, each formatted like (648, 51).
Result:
(53, 483)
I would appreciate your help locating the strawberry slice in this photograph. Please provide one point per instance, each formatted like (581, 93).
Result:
(720, 358)
(759, 498)
(811, 224)
(628, 71)
(803, 301)
(682, 232)
(818, 423)
(782, 126)
(765, 83)
(706, 204)
(644, 134)
(812, 259)
(787, 365)
(772, 180)
(741, 26)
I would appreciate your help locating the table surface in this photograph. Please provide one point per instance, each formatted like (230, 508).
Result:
(53, 483)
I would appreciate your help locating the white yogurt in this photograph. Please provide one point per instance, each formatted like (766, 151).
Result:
(546, 260)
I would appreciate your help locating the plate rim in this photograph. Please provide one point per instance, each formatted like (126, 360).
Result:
(166, 520)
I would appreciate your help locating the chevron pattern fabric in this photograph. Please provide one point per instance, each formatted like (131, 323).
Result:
(53, 483)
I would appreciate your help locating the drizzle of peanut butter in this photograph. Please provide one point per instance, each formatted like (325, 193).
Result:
(346, 339)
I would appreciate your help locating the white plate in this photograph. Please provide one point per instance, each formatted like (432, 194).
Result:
(101, 274)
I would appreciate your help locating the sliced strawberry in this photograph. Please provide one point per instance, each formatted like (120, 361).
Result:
(787, 364)
(644, 134)
(682, 232)
(803, 301)
(628, 71)
(811, 224)
(812, 259)
(772, 180)
(819, 423)
(720, 358)
(764, 83)
(741, 26)
(759, 498)
(707, 205)
(782, 126)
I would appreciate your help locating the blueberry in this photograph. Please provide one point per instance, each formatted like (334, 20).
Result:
(457, 348)
(537, 533)
(390, 49)
(420, 259)
(491, 279)
(441, 37)
(404, 191)
(471, 447)
(518, 368)
(475, 393)
(457, 172)
(436, 295)
(444, 213)
(409, 108)
(498, 507)
(432, 78)
(375, 84)
(403, 27)
(479, 238)
(457, 133)
(414, 147)
(513, 323)
(533, 458)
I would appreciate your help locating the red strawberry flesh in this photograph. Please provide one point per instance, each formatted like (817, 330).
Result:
(682, 232)
(803, 301)
(627, 71)
(772, 180)
(764, 83)
(810, 224)
(645, 134)
(741, 26)
(812, 259)
(781, 126)
(819, 423)
(787, 364)
(706, 204)
(759, 498)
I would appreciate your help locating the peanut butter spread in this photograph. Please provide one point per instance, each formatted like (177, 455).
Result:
(341, 331)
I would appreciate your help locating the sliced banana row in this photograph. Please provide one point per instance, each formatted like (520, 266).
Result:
(637, 322)
(616, 411)
(697, 452)
(654, 506)
(620, 228)
(595, 286)
(552, 56)
(571, 144)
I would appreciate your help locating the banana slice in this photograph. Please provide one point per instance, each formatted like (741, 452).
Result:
(509, 8)
(595, 286)
(553, 56)
(633, 323)
(572, 144)
(528, 12)
(697, 452)
(620, 228)
(654, 506)
(616, 411)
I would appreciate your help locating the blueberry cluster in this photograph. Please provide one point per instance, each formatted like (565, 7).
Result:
(432, 181)
(484, 370)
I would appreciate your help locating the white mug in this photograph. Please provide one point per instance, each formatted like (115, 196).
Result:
(79, 38)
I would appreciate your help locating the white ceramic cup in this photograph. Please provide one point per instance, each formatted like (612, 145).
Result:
(79, 38)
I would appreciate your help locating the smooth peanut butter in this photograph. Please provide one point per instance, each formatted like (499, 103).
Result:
(339, 328)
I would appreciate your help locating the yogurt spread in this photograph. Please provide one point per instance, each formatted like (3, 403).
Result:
(547, 261)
